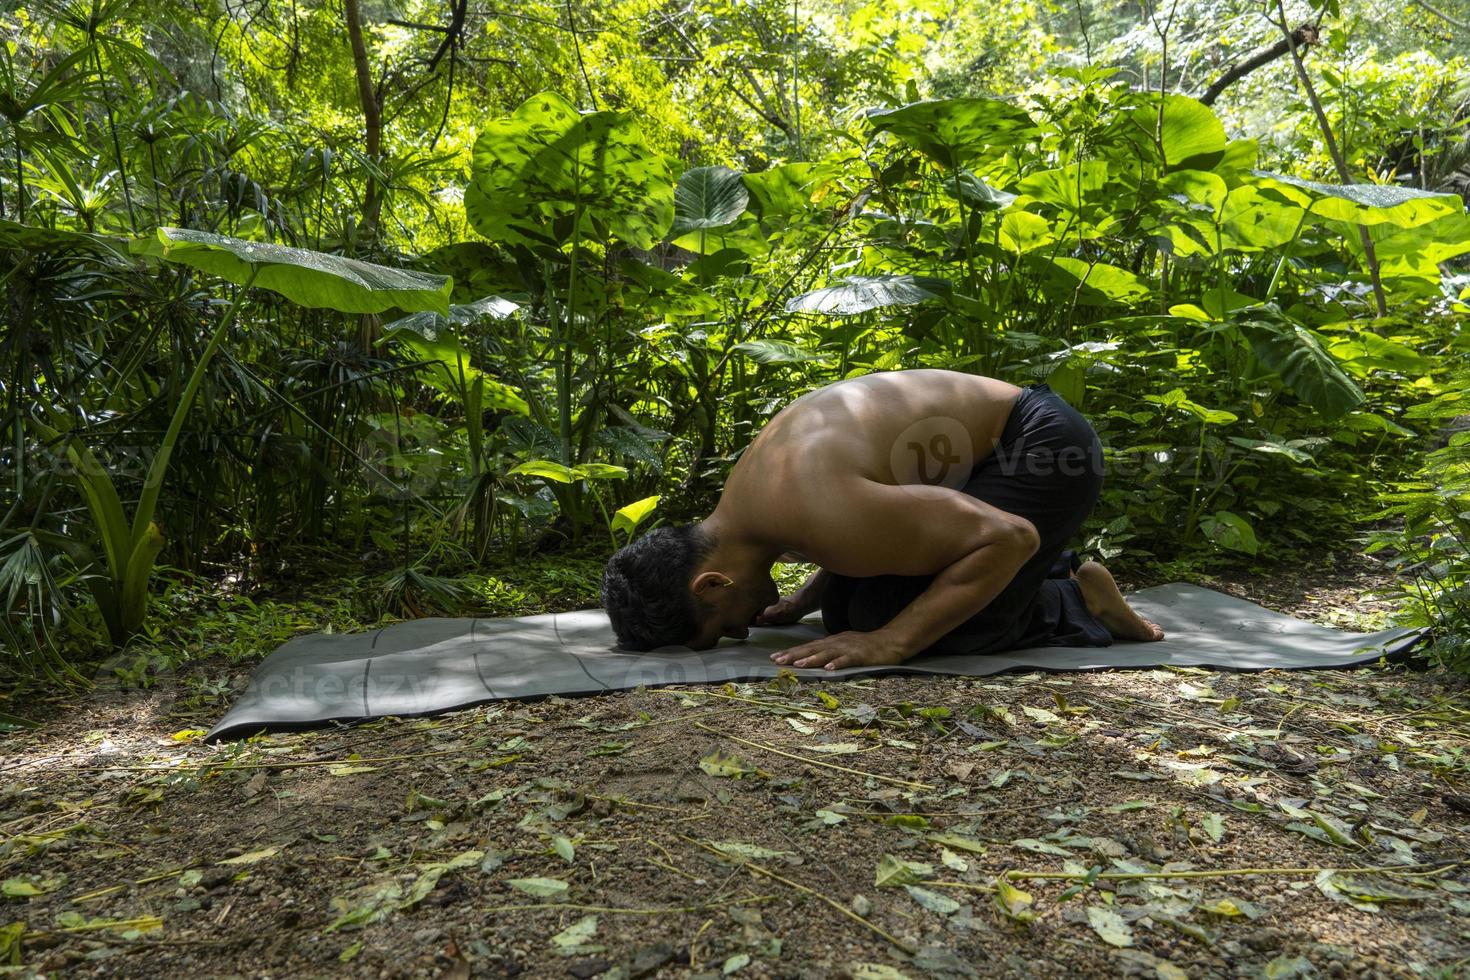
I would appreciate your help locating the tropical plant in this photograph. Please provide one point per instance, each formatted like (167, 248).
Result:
(310, 279)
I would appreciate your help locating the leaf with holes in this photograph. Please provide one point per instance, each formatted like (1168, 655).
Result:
(1109, 925)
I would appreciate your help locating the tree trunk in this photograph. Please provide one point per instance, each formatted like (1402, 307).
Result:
(1370, 254)
(372, 117)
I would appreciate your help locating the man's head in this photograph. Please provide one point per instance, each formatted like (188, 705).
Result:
(663, 589)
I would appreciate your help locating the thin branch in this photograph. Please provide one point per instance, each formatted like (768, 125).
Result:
(1370, 254)
(577, 47)
(1304, 36)
(1458, 25)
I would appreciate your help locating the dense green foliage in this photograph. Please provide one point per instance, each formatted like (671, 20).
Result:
(485, 284)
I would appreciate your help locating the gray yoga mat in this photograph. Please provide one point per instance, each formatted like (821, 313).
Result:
(426, 666)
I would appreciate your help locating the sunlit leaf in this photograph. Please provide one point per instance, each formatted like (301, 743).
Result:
(627, 518)
(861, 294)
(312, 279)
(951, 132)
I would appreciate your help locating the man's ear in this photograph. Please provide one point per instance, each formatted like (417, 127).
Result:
(706, 582)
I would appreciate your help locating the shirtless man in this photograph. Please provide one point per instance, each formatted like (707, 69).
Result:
(936, 506)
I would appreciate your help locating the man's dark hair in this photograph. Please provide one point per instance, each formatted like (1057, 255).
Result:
(645, 587)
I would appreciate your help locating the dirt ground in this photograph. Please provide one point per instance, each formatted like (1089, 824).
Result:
(1163, 823)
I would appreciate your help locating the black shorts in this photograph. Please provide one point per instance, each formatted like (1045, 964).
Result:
(1047, 467)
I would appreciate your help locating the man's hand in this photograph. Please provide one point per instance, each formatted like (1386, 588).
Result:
(790, 609)
(785, 611)
(845, 650)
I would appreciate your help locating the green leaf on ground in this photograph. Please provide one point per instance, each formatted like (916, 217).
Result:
(725, 766)
(540, 887)
(894, 871)
(1110, 925)
(1012, 901)
(933, 901)
(574, 939)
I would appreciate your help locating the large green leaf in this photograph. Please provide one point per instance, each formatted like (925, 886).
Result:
(1296, 354)
(952, 132)
(312, 279)
(783, 191)
(1415, 253)
(1188, 133)
(430, 323)
(1100, 284)
(708, 197)
(1254, 220)
(1362, 204)
(505, 200)
(860, 294)
(1069, 186)
(776, 352)
(56, 240)
(539, 170)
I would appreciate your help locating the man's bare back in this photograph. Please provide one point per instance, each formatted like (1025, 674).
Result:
(861, 478)
(843, 475)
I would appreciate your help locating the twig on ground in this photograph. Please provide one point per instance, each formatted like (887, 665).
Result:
(104, 892)
(620, 910)
(1412, 871)
(736, 697)
(912, 784)
(299, 764)
(767, 872)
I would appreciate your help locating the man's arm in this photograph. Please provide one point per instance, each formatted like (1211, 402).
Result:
(972, 549)
(963, 589)
(790, 609)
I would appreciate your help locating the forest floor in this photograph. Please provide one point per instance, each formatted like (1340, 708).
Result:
(871, 829)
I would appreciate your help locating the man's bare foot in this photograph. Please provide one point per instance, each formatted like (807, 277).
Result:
(1105, 602)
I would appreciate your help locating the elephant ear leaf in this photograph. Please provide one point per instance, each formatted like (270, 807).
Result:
(1363, 204)
(859, 294)
(708, 197)
(951, 132)
(1298, 357)
(307, 278)
(1185, 131)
